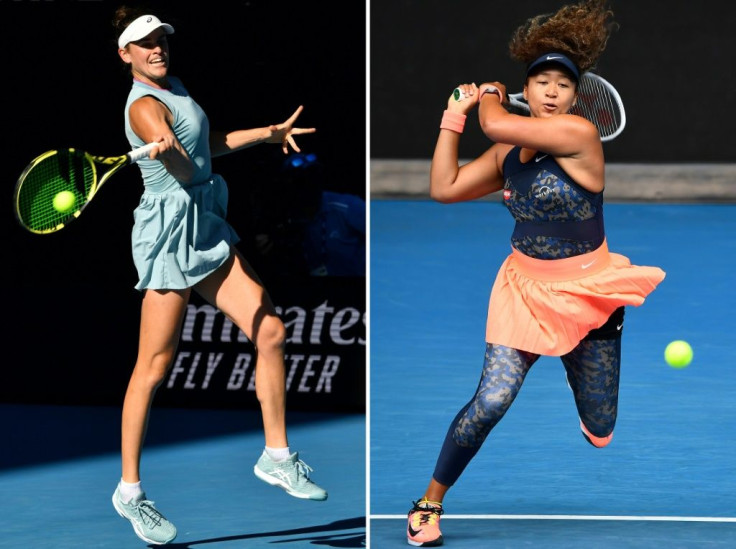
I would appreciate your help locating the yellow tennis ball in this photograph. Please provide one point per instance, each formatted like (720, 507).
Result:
(64, 201)
(678, 354)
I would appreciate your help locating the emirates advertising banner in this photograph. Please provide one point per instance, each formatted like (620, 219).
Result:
(325, 355)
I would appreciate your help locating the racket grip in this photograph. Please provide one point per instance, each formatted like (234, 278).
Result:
(141, 152)
(458, 94)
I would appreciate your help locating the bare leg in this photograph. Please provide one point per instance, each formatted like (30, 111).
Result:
(435, 491)
(161, 317)
(237, 291)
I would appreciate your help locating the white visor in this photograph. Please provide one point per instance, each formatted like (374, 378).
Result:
(142, 27)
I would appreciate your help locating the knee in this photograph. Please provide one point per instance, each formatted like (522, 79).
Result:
(597, 441)
(271, 335)
(152, 370)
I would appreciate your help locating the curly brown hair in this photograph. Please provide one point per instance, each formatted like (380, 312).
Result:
(580, 31)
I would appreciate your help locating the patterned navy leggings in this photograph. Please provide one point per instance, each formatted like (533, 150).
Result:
(593, 375)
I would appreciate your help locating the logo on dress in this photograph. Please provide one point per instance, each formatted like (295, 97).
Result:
(543, 192)
(507, 194)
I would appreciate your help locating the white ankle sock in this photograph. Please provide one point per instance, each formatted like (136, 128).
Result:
(130, 490)
(278, 454)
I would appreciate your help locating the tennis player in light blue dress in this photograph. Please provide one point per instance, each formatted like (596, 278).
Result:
(181, 242)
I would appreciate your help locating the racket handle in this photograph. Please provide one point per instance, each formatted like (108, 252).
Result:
(141, 152)
(458, 94)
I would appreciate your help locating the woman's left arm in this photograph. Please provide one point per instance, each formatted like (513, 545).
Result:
(224, 143)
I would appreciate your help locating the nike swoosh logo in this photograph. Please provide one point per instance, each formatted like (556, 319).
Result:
(539, 158)
(619, 326)
(413, 532)
(586, 265)
(551, 58)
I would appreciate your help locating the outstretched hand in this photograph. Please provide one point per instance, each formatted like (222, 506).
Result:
(284, 133)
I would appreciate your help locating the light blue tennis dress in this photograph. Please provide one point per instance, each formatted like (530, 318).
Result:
(180, 234)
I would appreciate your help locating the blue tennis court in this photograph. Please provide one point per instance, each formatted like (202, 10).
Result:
(60, 465)
(669, 476)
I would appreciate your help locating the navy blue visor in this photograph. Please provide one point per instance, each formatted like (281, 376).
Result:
(558, 58)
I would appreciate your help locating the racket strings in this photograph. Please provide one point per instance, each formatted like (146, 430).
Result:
(63, 170)
(597, 101)
(597, 104)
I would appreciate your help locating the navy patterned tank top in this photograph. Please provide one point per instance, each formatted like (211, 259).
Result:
(555, 217)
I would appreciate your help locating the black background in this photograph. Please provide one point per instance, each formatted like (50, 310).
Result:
(71, 312)
(672, 63)
(248, 64)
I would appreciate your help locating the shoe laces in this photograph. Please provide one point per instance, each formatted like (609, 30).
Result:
(149, 514)
(426, 515)
(303, 469)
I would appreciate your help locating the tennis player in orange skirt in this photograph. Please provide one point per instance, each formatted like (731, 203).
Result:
(560, 292)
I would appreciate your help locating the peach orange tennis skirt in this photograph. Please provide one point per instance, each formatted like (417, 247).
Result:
(547, 307)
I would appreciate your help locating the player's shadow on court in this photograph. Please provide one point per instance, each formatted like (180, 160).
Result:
(321, 537)
(39, 434)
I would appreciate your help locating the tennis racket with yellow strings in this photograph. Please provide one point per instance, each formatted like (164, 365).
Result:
(58, 185)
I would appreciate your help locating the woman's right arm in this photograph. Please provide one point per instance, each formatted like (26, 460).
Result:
(152, 122)
(450, 182)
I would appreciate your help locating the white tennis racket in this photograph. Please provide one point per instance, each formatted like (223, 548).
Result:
(598, 101)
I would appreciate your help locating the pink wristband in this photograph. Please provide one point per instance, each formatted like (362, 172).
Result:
(453, 121)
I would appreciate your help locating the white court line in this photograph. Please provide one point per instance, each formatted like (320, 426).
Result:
(573, 517)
